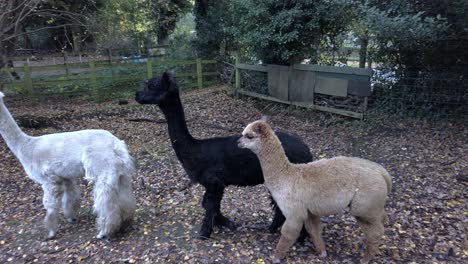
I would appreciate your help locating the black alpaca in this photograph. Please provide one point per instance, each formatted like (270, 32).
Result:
(216, 162)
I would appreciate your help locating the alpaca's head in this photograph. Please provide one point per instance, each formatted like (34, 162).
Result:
(157, 90)
(254, 135)
(2, 95)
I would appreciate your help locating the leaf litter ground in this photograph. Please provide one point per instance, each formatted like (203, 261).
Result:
(427, 207)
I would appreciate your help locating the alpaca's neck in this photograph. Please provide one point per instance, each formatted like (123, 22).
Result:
(10, 131)
(178, 131)
(273, 160)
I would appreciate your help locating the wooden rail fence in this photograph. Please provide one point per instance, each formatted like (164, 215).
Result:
(93, 72)
(299, 84)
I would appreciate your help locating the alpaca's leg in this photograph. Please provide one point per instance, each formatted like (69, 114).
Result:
(212, 204)
(373, 230)
(314, 227)
(106, 205)
(71, 200)
(289, 234)
(51, 200)
(384, 218)
(208, 220)
(221, 220)
(126, 199)
(279, 219)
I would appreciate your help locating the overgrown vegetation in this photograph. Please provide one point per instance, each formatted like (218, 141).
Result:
(421, 42)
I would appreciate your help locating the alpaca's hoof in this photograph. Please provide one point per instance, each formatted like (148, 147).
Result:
(71, 220)
(101, 236)
(275, 259)
(224, 221)
(203, 237)
(231, 225)
(323, 254)
(277, 256)
(272, 230)
(205, 233)
(51, 234)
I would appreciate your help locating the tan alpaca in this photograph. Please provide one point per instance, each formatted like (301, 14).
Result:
(305, 192)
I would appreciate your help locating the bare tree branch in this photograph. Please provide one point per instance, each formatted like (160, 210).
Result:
(39, 29)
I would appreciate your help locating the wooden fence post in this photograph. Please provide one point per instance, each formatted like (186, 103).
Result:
(65, 61)
(27, 78)
(199, 74)
(109, 54)
(238, 77)
(94, 85)
(149, 68)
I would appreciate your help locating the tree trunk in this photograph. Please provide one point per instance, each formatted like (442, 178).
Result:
(6, 53)
(363, 51)
(163, 37)
(76, 39)
(3, 57)
(3, 75)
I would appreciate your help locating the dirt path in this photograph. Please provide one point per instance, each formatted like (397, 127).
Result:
(427, 208)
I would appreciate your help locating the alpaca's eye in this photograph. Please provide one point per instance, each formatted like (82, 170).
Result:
(249, 136)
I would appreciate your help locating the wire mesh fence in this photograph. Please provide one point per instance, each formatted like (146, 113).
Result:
(435, 86)
(416, 94)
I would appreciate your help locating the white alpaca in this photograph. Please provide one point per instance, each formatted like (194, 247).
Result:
(56, 161)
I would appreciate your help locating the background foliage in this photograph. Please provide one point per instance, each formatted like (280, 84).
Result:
(420, 43)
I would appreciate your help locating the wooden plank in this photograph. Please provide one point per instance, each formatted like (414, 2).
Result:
(208, 61)
(359, 88)
(111, 78)
(249, 67)
(199, 74)
(27, 78)
(149, 69)
(174, 62)
(329, 109)
(93, 79)
(65, 62)
(302, 86)
(331, 86)
(262, 96)
(302, 104)
(106, 63)
(278, 81)
(343, 70)
(210, 73)
(237, 73)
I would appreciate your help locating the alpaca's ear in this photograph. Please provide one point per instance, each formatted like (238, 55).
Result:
(261, 129)
(166, 80)
(2, 95)
(166, 77)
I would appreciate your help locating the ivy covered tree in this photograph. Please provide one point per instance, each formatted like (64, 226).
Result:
(68, 21)
(137, 23)
(399, 33)
(122, 24)
(272, 31)
(165, 14)
(213, 21)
